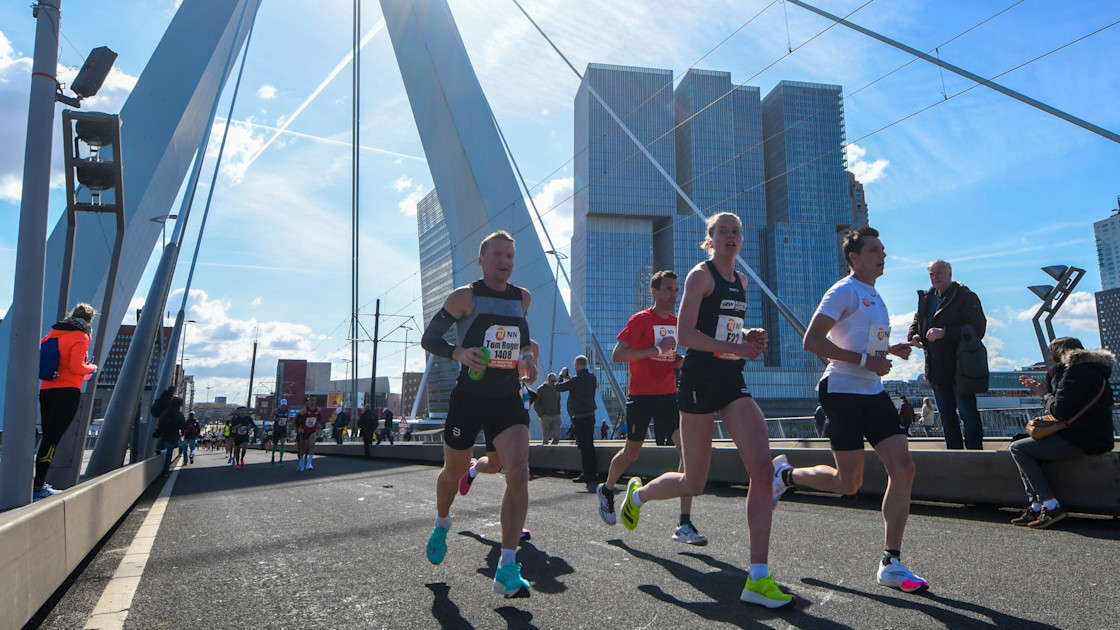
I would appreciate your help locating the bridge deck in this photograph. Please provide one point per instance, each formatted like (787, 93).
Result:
(342, 547)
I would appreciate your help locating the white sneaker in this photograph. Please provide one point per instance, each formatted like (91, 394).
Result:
(780, 487)
(897, 575)
(606, 504)
(688, 535)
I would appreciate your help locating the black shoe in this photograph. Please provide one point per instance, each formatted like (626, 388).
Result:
(585, 479)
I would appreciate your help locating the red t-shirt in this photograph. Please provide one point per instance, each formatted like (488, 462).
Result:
(653, 376)
(310, 422)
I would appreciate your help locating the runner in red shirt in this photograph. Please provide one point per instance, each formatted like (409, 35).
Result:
(648, 343)
(309, 421)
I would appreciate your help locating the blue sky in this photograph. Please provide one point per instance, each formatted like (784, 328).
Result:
(990, 184)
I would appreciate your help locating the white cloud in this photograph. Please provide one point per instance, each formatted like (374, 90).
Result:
(220, 346)
(266, 92)
(865, 171)
(407, 205)
(554, 202)
(401, 183)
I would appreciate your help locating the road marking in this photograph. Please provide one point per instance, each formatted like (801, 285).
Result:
(116, 600)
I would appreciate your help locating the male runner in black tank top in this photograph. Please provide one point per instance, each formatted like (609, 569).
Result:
(490, 313)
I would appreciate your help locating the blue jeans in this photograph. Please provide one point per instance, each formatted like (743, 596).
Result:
(950, 403)
(169, 451)
(1028, 454)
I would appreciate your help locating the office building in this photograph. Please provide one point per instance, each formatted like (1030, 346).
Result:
(776, 162)
(1107, 232)
(436, 283)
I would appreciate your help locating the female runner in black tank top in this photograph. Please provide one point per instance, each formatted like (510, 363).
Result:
(709, 324)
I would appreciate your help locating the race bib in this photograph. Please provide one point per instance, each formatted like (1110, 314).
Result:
(660, 332)
(504, 343)
(879, 341)
(310, 421)
(729, 329)
(281, 421)
(242, 430)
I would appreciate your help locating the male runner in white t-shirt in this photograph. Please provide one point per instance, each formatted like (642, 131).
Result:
(851, 328)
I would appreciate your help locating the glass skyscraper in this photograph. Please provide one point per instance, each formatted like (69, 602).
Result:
(623, 208)
(777, 163)
(808, 206)
(436, 283)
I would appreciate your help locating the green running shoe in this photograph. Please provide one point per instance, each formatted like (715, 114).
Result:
(765, 592)
(508, 581)
(631, 512)
(437, 545)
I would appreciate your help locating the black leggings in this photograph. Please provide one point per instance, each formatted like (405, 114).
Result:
(58, 407)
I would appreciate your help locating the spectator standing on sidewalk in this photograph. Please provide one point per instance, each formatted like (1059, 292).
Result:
(59, 396)
(387, 432)
(367, 426)
(547, 407)
(942, 311)
(341, 421)
(905, 415)
(581, 407)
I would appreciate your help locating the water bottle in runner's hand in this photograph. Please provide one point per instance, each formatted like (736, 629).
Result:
(476, 375)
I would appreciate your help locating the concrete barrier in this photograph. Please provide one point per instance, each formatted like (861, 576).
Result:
(42, 543)
(1087, 484)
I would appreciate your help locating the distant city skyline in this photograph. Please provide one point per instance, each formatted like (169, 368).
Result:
(1012, 189)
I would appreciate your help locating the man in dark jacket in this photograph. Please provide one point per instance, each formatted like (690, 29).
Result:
(936, 329)
(581, 407)
(341, 421)
(367, 425)
(387, 432)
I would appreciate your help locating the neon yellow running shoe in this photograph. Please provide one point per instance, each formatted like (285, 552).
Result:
(631, 512)
(765, 592)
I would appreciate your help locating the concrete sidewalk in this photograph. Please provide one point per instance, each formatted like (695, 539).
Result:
(343, 547)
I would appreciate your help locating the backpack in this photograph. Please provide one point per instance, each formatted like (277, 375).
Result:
(49, 359)
(972, 363)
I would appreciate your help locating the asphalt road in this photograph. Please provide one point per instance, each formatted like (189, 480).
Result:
(342, 547)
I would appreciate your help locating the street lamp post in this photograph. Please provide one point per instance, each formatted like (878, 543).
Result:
(555, 299)
(1053, 296)
(162, 221)
(183, 349)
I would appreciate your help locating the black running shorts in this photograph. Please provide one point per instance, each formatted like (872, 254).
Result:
(468, 414)
(661, 408)
(708, 387)
(851, 417)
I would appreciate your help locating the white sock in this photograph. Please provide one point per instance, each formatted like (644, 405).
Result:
(1050, 504)
(759, 571)
(443, 521)
(635, 499)
(508, 556)
(1036, 506)
(472, 471)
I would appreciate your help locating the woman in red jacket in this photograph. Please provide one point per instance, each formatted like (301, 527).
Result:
(59, 397)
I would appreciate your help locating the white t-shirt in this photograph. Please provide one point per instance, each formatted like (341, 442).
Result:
(862, 325)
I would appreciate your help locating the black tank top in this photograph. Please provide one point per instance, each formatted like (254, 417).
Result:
(498, 323)
(721, 317)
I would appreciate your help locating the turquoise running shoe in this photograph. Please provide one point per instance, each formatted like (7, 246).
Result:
(437, 545)
(631, 512)
(508, 581)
